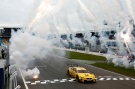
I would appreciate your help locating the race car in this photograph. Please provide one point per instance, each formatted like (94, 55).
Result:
(81, 74)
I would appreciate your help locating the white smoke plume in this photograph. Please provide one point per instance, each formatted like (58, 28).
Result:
(64, 16)
(123, 62)
(109, 58)
(26, 47)
(103, 41)
(31, 72)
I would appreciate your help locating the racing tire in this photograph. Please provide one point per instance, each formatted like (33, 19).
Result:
(77, 78)
(94, 81)
(68, 72)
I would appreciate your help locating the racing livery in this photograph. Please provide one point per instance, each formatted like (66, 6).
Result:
(81, 74)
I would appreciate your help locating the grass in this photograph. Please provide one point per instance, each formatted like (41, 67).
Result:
(83, 56)
(121, 70)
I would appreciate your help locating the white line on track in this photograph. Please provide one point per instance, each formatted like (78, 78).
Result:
(23, 80)
(37, 81)
(104, 76)
(101, 78)
(127, 79)
(27, 82)
(108, 79)
(72, 80)
(62, 81)
(52, 81)
(33, 83)
(56, 80)
(121, 79)
(132, 78)
(115, 79)
(43, 82)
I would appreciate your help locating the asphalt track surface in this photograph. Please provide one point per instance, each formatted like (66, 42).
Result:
(53, 76)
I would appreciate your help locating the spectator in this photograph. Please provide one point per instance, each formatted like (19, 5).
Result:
(3, 53)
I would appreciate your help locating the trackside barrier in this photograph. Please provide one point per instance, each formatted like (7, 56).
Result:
(13, 78)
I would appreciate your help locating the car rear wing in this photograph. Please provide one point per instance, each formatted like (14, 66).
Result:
(72, 65)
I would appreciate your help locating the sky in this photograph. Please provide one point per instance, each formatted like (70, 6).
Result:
(15, 12)
(64, 16)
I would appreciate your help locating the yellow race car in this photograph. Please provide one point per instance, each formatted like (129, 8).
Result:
(81, 74)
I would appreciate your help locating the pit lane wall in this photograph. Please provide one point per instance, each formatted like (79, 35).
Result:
(1, 78)
(2, 73)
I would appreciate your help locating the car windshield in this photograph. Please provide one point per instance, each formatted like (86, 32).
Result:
(82, 71)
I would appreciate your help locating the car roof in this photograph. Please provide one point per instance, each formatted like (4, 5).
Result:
(80, 68)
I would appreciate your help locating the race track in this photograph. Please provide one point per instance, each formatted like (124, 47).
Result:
(53, 76)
